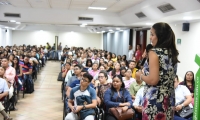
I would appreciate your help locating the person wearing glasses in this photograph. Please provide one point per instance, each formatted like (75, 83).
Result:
(102, 87)
(82, 100)
(77, 72)
(77, 82)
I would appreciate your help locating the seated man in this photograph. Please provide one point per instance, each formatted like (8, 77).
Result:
(135, 86)
(137, 105)
(3, 93)
(82, 100)
(182, 94)
(77, 71)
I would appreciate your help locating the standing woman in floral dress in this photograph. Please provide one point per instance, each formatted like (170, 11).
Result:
(159, 74)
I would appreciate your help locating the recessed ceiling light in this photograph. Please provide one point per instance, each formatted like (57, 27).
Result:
(102, 31)
(149, 23)
(12, 20)
(117, 28)
(110, 30)
(187, 18)
(97, 8)
(84, 24)
(18, 22)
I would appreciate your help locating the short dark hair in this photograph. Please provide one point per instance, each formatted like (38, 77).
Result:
(87, 75)
(131, 61)
(79, 66)
(27, 56)
(104, 73)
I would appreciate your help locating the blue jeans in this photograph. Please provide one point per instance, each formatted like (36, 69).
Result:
(180, 118)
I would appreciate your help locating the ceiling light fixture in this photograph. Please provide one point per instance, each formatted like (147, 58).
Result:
(121, 30)
(103, 31)
(84, 24)
(12, 20)
(117, 28)
(187, 18)
(149, 23)
(18, 22)
(110, 30)
(97, 8)
(6, 27)
(98, 32)
(5, 3)
(13, 28)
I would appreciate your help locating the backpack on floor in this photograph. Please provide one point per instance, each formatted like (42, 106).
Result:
(29, 86)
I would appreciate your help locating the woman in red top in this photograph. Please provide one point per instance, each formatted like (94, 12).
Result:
(138, 53)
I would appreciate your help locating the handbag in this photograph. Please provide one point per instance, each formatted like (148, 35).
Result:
(117, 112)
(185, 112)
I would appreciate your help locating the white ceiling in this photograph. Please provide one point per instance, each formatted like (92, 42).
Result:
(62, 15)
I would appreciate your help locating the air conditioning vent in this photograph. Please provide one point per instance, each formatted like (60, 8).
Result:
(12, 15)
(166, 8)
(85, 19)
(140, 15)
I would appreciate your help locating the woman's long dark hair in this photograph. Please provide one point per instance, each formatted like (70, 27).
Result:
(113, 73)
(166, 39)
(192, 79)
(123, 85)
(17, 64)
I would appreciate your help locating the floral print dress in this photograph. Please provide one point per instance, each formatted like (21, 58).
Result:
(159, 100)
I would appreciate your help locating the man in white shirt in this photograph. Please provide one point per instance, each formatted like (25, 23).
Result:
(137, 104)
(130, 53)
(182, 93)
(3, 93)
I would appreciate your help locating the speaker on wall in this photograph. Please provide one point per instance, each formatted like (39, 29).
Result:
(186, 27)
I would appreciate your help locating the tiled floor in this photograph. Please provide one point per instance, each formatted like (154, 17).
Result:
(45, 102)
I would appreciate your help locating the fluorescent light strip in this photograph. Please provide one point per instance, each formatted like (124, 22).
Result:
(12, 20)
(110, 30)
(97, 8)
(18, 22)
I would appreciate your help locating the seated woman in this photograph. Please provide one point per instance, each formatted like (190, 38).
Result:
(117, 96)
(102, 87)
(128, 80)
(189, 83)
(181, 94)
(116, 70)
(94, 70)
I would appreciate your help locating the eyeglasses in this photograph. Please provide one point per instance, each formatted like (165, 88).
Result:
(84, 80)
(100, 76)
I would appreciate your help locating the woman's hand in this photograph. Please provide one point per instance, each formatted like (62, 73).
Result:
(124, 109)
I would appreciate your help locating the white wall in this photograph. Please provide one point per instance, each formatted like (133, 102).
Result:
(66, 38)
(189, 47)
(5, 37)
